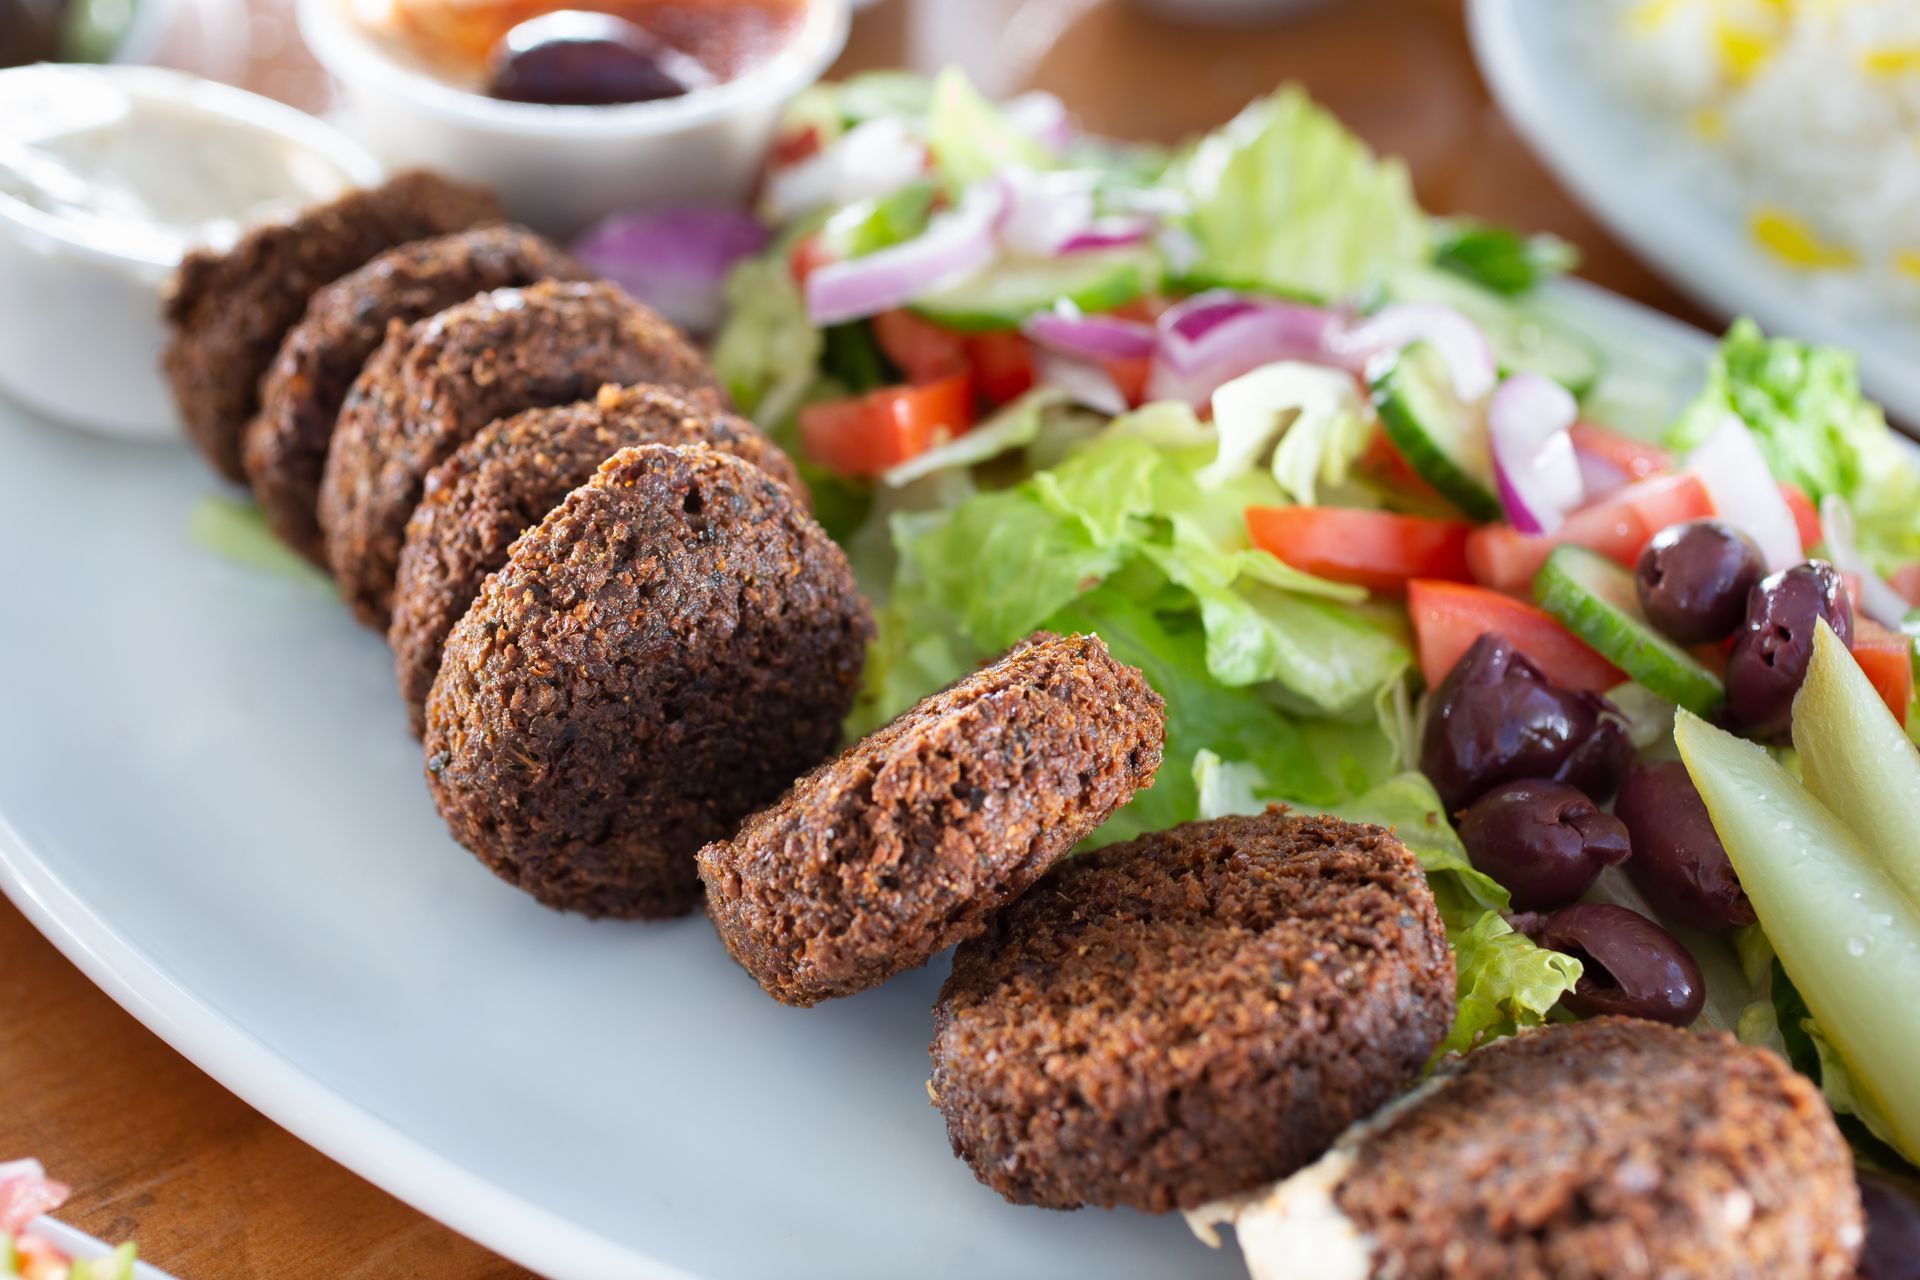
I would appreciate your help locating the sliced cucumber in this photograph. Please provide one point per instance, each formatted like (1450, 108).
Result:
(1003, 296)
(1595, 599)
(1522, 341)
(1440, 437)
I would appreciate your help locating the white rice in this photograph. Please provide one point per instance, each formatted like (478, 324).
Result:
(1814, 105)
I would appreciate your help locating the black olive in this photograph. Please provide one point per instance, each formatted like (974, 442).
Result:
(1693, 580)
(1775, 644)
(1678, 860)
(1892, 1248)
(1631, 966)
(1544, 841)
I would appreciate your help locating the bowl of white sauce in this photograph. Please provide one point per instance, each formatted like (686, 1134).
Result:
(108, 176)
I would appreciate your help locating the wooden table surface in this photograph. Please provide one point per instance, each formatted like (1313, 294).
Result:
(210, 1188)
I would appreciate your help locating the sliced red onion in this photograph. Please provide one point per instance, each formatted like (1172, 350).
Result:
(1744, 492)
(1534, 465)
(1461, 344)
(1212, 338)
(1042, 117)
(1082, 337)
(1110, 233)
(675, 260)
(1877, 597)
(25, 1193)
(1045, 211)
(870, 159)
(1084, 383)
(956, 244)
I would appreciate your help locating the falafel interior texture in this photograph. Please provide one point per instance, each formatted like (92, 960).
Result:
(505, 479)
(284, 449)
(433, 385)
(911, 838)
(227, 310)
(1190, 1014)
(1614, 1147)
(663, 654)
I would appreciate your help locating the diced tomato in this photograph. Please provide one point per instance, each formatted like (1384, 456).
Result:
(1386, 464)
(864, 435)
(1129, 375)
(1886, 657)
(919, 348)
(1633, 459)
(792, 148)
(1449, 616)
(1377, 550)
(808, 254)
(1002, 365)
(1906, 580)
(1806, 517)
(1618, 526)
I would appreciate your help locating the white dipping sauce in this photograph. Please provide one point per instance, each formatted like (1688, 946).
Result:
(155, 177)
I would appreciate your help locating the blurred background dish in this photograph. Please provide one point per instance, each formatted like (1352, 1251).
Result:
(416, 81)
(1761, 154)
(109, 174)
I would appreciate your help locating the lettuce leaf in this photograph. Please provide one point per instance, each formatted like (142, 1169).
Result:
(1284, 199)
(1505, 981)
(1805, 408)
(236, 529)
(768, 352)
(969, 137)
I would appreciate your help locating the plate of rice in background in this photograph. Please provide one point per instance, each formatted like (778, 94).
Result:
(1765, 154)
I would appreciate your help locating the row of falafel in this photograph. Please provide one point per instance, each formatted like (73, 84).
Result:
(629, 649)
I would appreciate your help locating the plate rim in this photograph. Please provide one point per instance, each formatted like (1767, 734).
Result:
(1707, 267)
(340, 1127)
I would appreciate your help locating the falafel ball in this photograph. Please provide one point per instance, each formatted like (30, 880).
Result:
(913, 837)
(663, 654)
(1615, 1148)
(501, 482)
(284, 449)
(227, 310)
(431, 386)
(1196, 1012)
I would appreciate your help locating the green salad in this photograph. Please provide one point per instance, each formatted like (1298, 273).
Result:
(1316, 462)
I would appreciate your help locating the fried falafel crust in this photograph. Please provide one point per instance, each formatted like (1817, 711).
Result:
(1614, 1148)
(1196, 1012)
(909, 841)
(227, 310)
(505, 479)
(431, 386)
(662, 655)
(284, 450)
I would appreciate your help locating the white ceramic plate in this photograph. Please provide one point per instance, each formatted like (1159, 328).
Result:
(209, 801)
(1634, 176)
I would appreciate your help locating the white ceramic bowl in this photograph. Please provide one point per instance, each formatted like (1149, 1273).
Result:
(559, 169)
(80, 325)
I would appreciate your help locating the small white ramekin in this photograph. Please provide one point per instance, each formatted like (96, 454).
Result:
(560, 169)
(80, 323)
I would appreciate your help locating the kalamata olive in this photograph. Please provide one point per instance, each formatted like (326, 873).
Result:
(1694, 578)
(1775, 643)
(1678, 861)
(1892, 1249)
(1630, 965)
(572, 58)
(1497, 718)
(1545, 841)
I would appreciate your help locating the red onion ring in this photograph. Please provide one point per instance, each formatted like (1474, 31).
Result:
(1534, 465)
(1461, 344)
(956, 244)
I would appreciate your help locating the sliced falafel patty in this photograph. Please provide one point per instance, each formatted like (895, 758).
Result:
(284, 449)
(229, 309)
(913, 837)
(1614, 1148)
(1163, 1022)
(431, 386)
(505, 479)
(662, 655)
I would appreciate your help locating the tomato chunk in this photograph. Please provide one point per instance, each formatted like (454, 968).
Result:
(1906, 580)
(1129, 375)
(808, 254)
(1806, 517)
(1618, 526)
(923, 351)
(1002, 365)
(1377, 550)
(1633, 459)
(865, 435)
(1449, 616)
(1885, 656)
